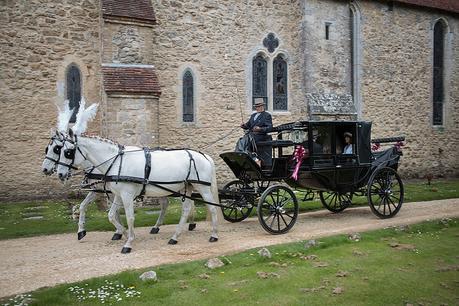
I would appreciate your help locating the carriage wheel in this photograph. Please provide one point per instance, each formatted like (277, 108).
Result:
(238, 207)
(385, 192)
(277, 209)
(334, 201)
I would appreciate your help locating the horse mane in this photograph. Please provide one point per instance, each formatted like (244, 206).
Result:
(97, 137)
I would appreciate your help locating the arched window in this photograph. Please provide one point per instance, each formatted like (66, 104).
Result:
(73, 85)
(355, 70)
(438, 72)
(351, 32)
(259, 79)
(188, 92)
(280, 102)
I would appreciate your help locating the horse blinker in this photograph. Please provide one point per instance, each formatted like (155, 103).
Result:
(69, 153)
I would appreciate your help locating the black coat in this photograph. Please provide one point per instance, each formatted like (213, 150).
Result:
(264, 121)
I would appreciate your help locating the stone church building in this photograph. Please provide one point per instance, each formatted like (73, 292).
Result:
(185, 73)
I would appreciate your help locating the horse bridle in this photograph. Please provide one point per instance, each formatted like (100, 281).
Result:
(68, 153)
(56, 149)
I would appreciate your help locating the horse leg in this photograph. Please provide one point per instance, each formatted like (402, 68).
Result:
(82, 219)
(114, 218)
(192, 224)
(186, 207)
(128, 203)
(164, 203)
(209, 195)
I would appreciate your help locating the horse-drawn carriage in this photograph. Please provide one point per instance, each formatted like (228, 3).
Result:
(309, 156)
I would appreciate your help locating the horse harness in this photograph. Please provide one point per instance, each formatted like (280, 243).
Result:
(147, 170)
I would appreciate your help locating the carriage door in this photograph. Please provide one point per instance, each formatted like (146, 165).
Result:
(346, 159)
(322, 148)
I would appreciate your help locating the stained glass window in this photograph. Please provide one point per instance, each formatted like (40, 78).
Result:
(188, 107)
(73, 85)
(280, 102)
(438, 69)
(259, 79)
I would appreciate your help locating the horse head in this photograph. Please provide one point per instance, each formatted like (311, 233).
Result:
(53, 149)
(70, 155)
(52, 153)
(67, 156)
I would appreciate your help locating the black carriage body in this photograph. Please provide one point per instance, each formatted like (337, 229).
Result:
(313, 156)
(325, 166)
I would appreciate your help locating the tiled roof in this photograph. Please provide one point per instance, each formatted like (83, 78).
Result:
(130, 79)
(135, 10)
(446, 5)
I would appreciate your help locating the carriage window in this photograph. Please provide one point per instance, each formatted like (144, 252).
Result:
(321, 140)
(345, 140)
(73, 86)
(188, 105)
(280, 84)
(259, 79)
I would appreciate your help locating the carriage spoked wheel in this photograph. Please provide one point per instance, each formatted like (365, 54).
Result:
(238, 207)
(385, 192)
(335, 201)
(277, 209)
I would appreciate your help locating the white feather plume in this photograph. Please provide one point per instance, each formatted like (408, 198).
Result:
(84, 116)
(63, 116)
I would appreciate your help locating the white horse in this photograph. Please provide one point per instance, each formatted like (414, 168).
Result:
(171, 172)
(52, 160)
(52, 156)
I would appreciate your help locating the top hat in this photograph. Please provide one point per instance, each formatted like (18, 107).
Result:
(259, 102)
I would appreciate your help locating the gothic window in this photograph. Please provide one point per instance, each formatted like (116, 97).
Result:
(188, 101)
(259, 79)
(280, 102)
(351, 33)
(73, 85)
(438, 72)
(354, 54)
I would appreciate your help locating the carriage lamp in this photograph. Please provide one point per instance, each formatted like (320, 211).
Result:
(298, 134)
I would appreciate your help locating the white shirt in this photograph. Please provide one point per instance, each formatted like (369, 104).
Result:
(348, 149)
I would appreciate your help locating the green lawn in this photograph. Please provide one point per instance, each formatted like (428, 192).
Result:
(14, 220)
(415, 265)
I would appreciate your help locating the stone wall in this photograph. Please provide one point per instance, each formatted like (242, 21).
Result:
(132, 120)
(326, 45)
(397, 85)
(217, 40)
(38, 40)
(126, 43)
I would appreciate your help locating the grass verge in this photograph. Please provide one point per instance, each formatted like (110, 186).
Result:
(51, 217)
(415, 265)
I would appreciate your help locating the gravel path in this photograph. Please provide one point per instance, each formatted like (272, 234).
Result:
(31, 263)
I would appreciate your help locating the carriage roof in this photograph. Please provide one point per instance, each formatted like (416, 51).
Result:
(362, 125)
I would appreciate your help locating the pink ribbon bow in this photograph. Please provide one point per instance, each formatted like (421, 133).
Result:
(298, 155)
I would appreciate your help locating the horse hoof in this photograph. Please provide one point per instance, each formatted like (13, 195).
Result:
(117, 236)
(154, 230)
(126, 250)
(81, 234)
(172, 241)
(191, 226)
(213, 239)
